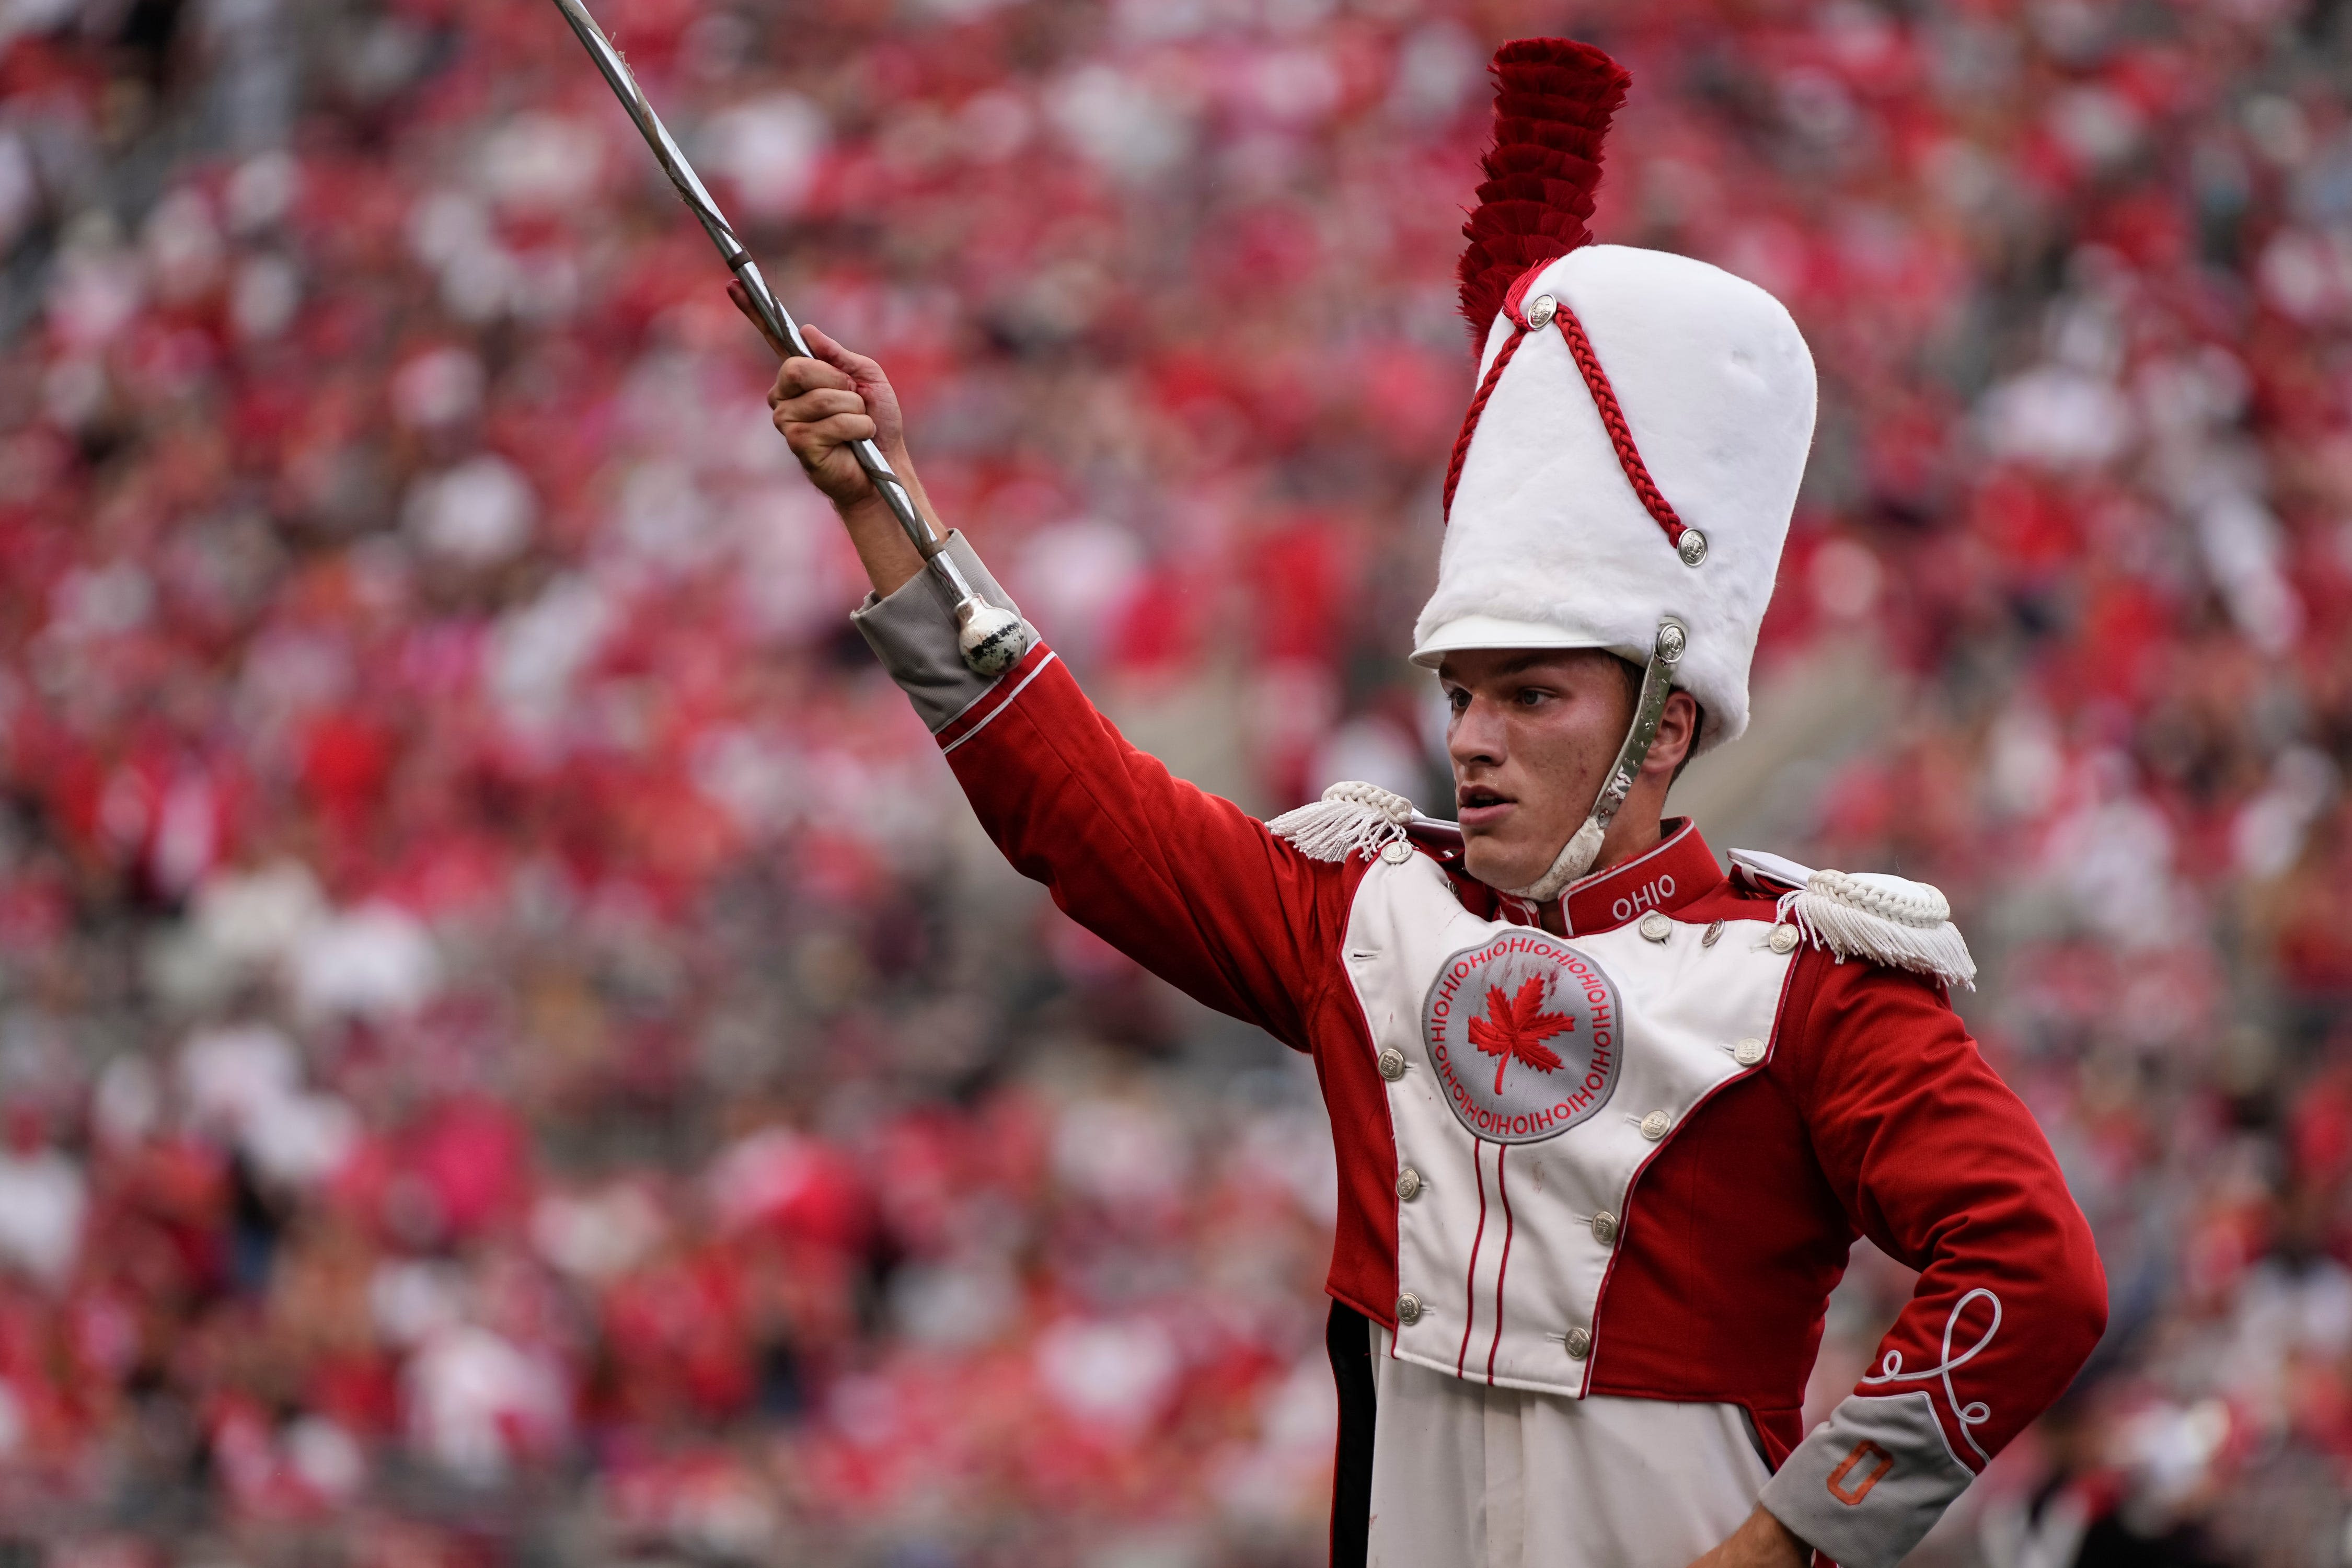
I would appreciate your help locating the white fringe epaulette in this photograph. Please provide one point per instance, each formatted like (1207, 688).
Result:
(1350, 819)
(1868, 914)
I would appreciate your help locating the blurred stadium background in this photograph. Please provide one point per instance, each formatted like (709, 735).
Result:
(512, 1051)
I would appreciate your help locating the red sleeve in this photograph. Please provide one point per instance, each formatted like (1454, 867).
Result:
(1943, 1167)
(1187, 885)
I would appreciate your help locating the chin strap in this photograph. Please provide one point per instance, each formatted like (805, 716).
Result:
(1577, 855)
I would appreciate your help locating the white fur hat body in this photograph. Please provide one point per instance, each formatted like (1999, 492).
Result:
(1549, 545)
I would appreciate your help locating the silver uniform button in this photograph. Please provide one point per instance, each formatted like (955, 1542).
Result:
(1783, 939)
(1604, 1229)
(1396, 852)
(1656, 926)
(1392, 1064)
(1714, 934)
(1407, 1309)
(1408, 1183)
(1580, 1343)
(1656, 1125)
(1748, 1052)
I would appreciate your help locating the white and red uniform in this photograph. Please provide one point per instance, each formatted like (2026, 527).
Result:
(1594, 1190)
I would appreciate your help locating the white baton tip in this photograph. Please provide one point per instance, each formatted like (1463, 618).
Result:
(989, 639)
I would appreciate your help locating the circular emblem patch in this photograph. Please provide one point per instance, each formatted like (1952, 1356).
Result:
(1524, 1033)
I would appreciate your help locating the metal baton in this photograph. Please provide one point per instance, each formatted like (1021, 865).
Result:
(992, 640)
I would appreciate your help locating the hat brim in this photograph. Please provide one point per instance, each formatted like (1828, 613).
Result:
(1496, 632)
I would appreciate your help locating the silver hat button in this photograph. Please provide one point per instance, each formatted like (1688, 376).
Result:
(1392, 1064)
(1693, 548)
(1408, 1183)
(1541, 310)
(1656, 926)
(1407, 1309)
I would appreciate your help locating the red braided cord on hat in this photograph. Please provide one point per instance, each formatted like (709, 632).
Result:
(1478, 406)
(1613, 419)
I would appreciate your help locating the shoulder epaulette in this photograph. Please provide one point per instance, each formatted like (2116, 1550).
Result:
(1865, 914)
(1360, 819)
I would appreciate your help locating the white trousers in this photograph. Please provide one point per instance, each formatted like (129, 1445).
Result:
(1465, 1476)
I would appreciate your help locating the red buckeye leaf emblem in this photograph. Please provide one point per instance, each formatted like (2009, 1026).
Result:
(1514, 1028)
(1522, 996)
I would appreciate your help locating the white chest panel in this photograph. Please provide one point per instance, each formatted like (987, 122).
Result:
(1503, 1246)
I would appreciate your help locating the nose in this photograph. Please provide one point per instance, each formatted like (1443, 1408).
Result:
(1473, 737)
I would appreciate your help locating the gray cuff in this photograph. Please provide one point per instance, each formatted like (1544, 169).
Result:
(913, 632)
(1870, 1482)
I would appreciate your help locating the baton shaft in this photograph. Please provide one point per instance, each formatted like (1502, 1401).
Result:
(773, 317)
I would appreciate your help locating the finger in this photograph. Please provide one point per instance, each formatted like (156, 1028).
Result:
(812, 406)
(742, 298)
(823, 435)
(801, 375)
(830, 350)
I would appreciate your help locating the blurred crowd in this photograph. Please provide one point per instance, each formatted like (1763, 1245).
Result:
(511, 1050)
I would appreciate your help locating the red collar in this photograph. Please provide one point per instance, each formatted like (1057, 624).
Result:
(1674, 871)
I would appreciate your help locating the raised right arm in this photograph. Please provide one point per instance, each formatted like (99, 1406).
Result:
(1185, 883)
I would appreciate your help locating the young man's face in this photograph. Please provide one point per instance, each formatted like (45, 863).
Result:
(1532, 735)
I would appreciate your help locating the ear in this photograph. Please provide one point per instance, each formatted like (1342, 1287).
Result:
(1677, 734)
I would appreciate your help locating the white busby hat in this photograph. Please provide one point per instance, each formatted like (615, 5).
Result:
(1640, 426)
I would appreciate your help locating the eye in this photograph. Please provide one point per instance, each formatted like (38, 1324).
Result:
(1529, 696)
(1458, 699)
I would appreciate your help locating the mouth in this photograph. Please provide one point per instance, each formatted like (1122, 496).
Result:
(1479, 808)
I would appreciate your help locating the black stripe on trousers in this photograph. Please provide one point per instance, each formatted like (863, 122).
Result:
(1348, 1338)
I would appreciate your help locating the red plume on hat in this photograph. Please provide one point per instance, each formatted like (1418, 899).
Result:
(1554, 98)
